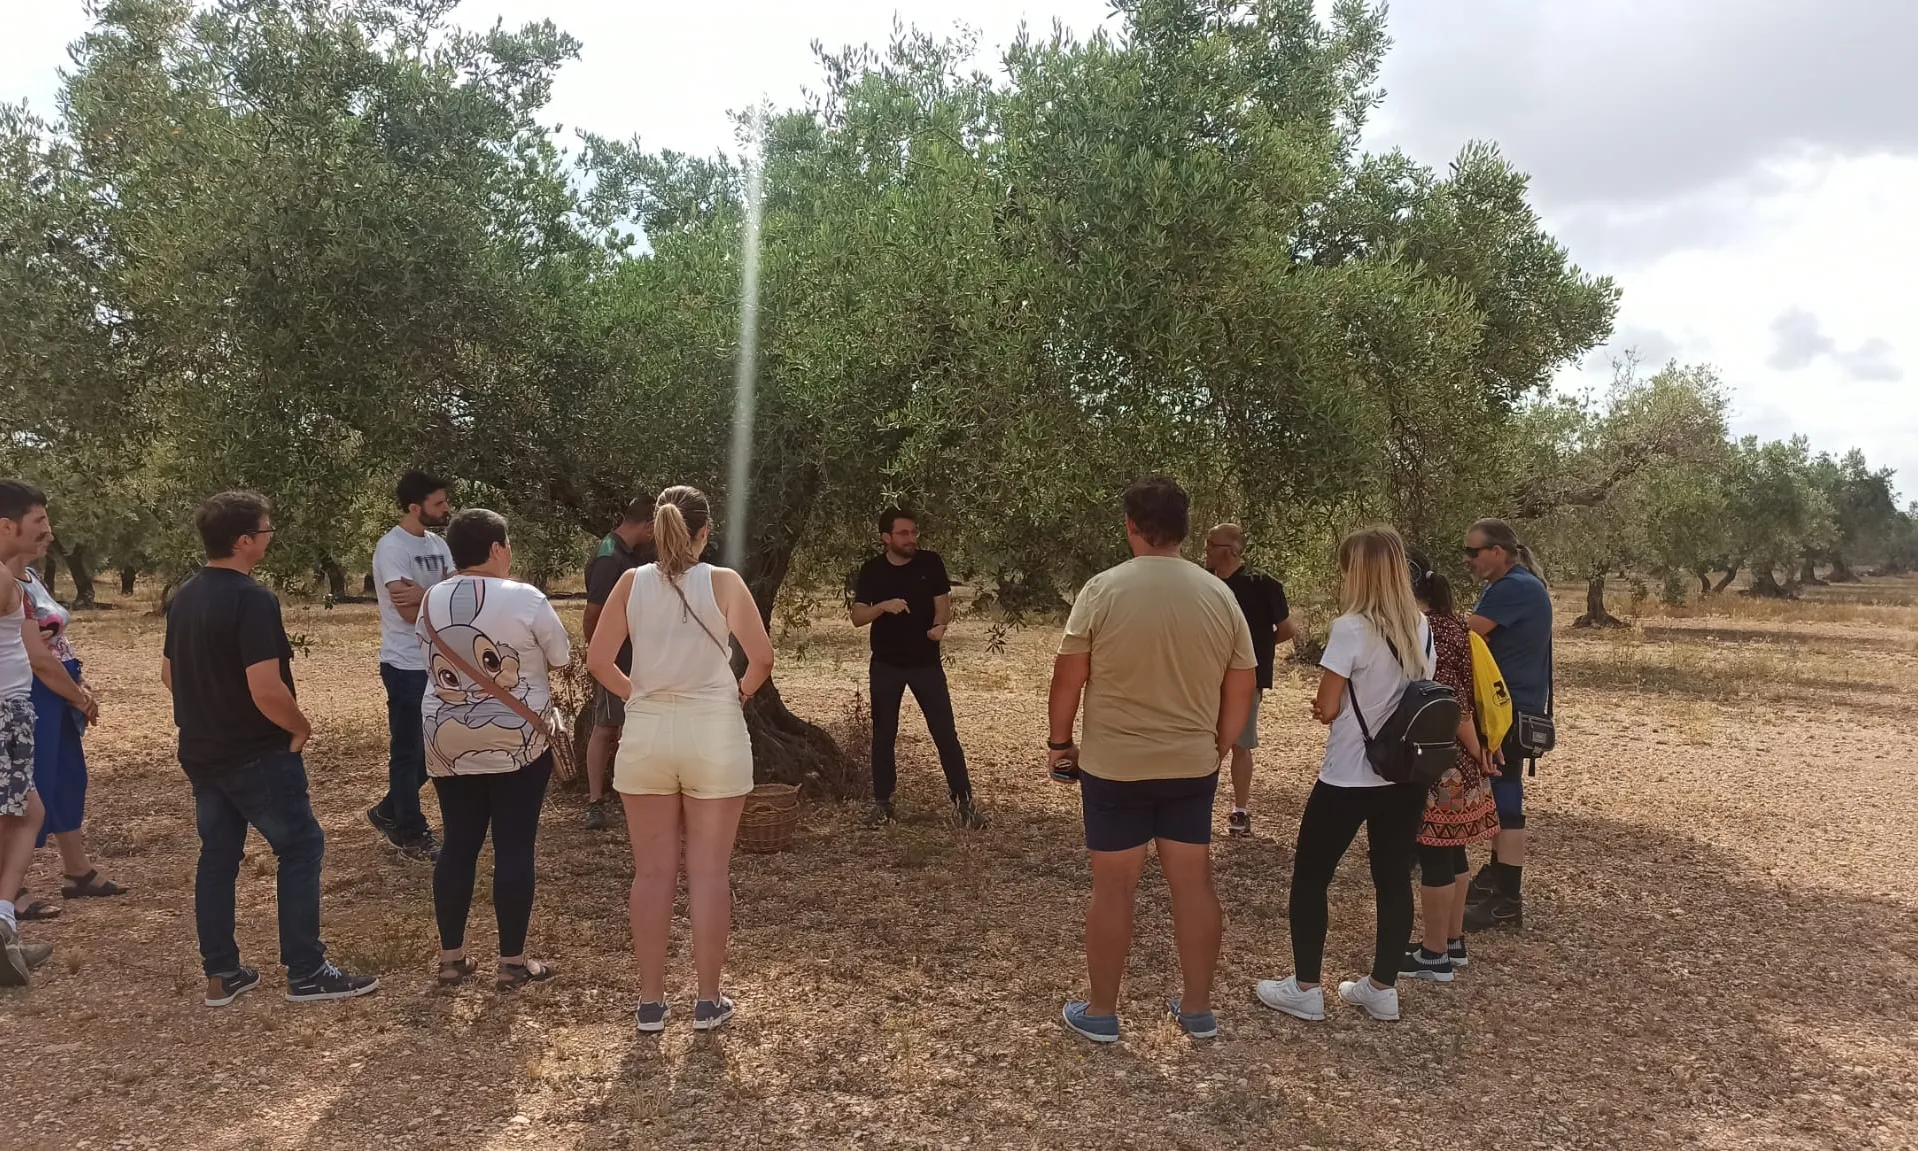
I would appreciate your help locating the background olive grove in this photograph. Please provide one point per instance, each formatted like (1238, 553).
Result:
(302, 245)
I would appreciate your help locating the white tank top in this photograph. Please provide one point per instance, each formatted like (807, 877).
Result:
(16, 674)
(672, 654)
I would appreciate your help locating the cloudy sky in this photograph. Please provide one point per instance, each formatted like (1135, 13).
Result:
(1745, 169)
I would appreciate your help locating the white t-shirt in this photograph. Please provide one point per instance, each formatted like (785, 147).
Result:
(503, 629)
(1358, 652)
(401, 555)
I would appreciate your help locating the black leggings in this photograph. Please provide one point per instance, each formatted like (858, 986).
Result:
(1441, 866)
(510, 802)
(1391, 816)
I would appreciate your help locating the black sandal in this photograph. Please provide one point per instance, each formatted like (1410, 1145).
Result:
(38, 909)
(454, 972)
(90, 886)
(516, 975)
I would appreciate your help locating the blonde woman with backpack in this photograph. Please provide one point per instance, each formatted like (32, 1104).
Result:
(1375, 650)
(685, 762)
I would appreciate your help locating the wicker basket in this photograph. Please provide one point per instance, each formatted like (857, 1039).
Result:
(770, 818)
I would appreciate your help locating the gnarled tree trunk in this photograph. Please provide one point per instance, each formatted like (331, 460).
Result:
(1731, 573)
(335, 578)
(1595, 613)
(366, 585)
(1765, 585)
(1808, 573)
(1704, 574)
(1840, 571)
(129, 575)
(79, 566)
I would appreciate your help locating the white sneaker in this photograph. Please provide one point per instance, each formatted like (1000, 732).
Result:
(1381, 1003)
(1286, 995)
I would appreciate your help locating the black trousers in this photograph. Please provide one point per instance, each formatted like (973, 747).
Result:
(509, 803)
(928, 684)
(1391, 816)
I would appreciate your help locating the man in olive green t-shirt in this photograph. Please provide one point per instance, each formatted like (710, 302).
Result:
(1162, 655)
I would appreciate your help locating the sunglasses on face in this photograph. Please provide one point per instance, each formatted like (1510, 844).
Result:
(1471, 553)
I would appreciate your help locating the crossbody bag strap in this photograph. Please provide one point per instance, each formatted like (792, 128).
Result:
(687, 604)
(459, 662)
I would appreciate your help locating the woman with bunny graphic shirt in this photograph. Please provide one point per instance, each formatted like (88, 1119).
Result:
(489, 642)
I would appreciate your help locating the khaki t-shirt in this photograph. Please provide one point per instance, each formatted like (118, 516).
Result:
(1162, 632)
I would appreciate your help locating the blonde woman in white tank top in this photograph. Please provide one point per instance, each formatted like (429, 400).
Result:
(685, 762)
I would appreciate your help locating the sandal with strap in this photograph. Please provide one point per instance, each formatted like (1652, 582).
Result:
(38, 909)
(454, 972)
(515, 975)
(90, 886)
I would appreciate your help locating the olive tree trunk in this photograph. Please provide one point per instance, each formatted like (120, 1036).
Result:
(1595, 613)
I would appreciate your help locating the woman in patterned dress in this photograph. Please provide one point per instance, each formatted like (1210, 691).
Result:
(1460, 811)
(64, 707)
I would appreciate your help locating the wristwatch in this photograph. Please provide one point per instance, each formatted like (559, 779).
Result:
(1066, 746)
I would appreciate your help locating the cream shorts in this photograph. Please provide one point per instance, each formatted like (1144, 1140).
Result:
(692, 747)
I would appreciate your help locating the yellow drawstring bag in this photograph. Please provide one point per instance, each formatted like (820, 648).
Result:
(1489, 695)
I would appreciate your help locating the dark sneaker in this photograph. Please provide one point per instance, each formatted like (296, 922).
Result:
(596, 815)
(388, 830)
(708, 1014)
(1239, 823)
(1420, 964)
(422, 848)
(13, 960)
(652, 1017)
(1197, 1024)
(329, 982)
(224, 989)
(970, 817)
(1455, 951)
(1098, 1028)
(881, 813)
(1498, 912)
(1484, 886)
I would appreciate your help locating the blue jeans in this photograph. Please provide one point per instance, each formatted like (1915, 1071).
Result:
(268, 794)
(406, 764)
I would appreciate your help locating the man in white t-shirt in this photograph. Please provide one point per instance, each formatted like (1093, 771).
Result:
(407, 561)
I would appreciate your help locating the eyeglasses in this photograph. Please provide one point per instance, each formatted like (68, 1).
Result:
(263, 532)
(1471, 553)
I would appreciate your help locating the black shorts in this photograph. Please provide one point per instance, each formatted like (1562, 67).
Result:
(1123, 814)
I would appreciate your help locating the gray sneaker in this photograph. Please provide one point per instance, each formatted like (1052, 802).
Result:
(13, 961)
(881, 813)
(970, 817)
(652, 1017)
(596, 815)
(708, 1014)
(36, 954)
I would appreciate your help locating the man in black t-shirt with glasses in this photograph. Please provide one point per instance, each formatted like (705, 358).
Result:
(903, 593)
(629, 545)
(1262, 600)
(228, 664)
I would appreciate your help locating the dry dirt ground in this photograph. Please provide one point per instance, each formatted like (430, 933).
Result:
(1721, 947)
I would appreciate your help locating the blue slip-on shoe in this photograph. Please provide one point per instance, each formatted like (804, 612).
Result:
(1098, 1028)
(1199, 1024)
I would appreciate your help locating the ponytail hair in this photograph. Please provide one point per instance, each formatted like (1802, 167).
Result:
(1430, 586)
(681, 513)
(1378, 589)
(1499, 534)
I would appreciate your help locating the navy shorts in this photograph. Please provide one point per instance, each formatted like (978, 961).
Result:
(1508, 787)
(1123, 814)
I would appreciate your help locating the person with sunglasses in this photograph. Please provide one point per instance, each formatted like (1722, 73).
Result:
(1514, 617)
(228, 665)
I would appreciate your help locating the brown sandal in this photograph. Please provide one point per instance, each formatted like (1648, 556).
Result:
(516, 975)
(454, 972)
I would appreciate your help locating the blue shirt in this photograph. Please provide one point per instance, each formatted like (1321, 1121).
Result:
(1522, 642)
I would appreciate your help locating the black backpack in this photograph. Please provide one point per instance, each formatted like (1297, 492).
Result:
(1420, 741)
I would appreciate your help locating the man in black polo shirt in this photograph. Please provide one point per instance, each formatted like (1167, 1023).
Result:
(627, 546)
(904, 594)
(1262, 599)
